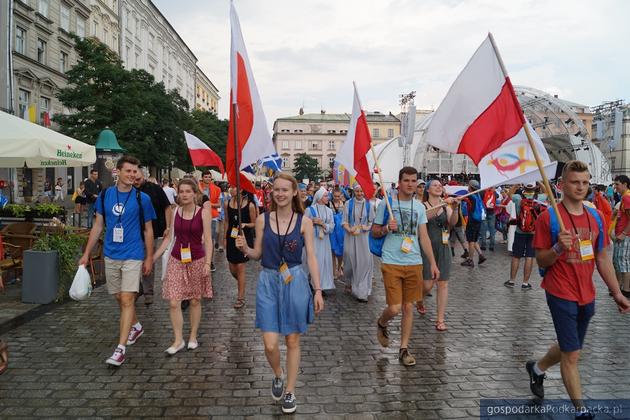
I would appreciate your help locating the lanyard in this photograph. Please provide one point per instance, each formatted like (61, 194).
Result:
(124, 204)
(363, 208)
(402, 219)
(572, 223)
(283, 241)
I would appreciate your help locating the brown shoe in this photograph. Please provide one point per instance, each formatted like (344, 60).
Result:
(382, 334)
(406, 358)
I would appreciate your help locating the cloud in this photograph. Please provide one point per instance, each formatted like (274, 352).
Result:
(310, 52)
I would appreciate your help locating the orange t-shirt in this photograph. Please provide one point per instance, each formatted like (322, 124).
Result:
(569, 277)
(215, 198)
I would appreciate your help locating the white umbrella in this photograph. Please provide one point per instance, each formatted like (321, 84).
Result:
(39, 147)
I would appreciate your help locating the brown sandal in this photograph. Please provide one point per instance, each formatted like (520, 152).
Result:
(440, 326)
(4, 357)
(421, 309)
(240, 302)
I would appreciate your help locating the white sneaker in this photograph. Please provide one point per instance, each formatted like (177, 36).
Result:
(172, 350)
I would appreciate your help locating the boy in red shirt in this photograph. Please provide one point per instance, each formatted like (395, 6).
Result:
(621, 253)
(568, 283)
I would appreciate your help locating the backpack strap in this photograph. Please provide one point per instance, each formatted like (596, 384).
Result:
(553, 225)
(102, 197)
(350, 210)
(367, 210)
(141, 213)
(600, 227)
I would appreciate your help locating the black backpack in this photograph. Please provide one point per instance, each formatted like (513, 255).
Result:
(141, 212)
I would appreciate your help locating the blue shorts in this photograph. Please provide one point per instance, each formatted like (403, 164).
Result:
(570, 321)
(522, 246)
(284, 308)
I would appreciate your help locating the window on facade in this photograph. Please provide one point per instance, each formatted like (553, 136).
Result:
(314, 146)
(376, 133)
(44, 107)
(285, 145)
(24, 97)
(390, 132)
(105, 37)
(285, 162)
(137, 26)
(331, 145)
(297, 145)
(331, 161)
(41, 51)
(137, 64)
(20, 40)
(80, 27)
(95, 29)
(64, 17)
(114, 41)
(43, 6)
(63, 62)
(151, 41)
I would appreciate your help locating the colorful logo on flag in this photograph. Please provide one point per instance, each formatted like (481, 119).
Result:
(509, 162)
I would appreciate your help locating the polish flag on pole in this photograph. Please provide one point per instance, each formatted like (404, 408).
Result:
(201, 154)
(480, 111)
(249, 139)
(355, 147)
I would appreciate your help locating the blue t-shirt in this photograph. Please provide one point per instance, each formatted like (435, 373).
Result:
(116, 202)
(392, 254)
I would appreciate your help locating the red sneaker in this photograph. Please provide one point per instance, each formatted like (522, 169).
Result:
(116, 359)
(134, 334)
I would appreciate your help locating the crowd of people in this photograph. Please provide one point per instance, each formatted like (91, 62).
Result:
(310, 236)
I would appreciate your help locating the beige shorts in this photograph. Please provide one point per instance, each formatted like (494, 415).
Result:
(403, 283)
(122, 275)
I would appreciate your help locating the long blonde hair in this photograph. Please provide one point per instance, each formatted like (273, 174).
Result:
(296, 202)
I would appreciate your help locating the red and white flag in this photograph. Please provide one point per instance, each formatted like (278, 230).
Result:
(480, 111)
(353, 153)
(201, 154)
(253, 137)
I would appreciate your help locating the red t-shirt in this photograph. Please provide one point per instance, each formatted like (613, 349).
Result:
(622, 216)
(569, 277)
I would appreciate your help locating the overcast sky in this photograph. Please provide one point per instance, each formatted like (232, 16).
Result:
(308, 52)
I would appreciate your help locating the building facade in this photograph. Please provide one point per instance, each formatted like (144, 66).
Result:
(321, 135)
(104, 23)
(206, 93)
(149, 42)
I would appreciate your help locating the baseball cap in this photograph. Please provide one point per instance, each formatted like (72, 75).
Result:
(473, 183)
(421, 181)
(530, 186)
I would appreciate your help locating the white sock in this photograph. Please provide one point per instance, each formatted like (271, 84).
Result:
(137, 326)
(538, 370)
(123, 348)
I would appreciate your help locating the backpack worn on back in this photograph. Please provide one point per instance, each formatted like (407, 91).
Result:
(141, 212)
(478, 211)
(376, 244)
(527, 215)
(554, 226)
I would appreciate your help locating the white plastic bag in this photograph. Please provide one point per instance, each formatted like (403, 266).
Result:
(81, 288)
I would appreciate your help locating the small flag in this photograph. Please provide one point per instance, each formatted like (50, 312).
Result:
(201, 154)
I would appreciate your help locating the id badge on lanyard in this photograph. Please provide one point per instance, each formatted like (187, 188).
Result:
(234, 233)
(407, 245)
(445, 237)
(321, 232)
(285, 273)
(185, 254)
(119, 233)
(586, 250)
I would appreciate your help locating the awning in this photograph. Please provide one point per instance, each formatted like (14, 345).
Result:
(22, 142)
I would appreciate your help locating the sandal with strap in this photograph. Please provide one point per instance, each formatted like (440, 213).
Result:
(4, 357)
(421, 309)
(440, 326)
(239, 303)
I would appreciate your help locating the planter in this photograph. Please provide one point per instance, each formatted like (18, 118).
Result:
(41, 276)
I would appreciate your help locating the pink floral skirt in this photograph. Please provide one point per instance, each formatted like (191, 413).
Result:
(186, 281)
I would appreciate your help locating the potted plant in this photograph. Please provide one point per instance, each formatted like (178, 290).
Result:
(50, 266)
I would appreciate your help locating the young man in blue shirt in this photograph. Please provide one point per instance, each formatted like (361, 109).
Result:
(402, 262)
(127, 215)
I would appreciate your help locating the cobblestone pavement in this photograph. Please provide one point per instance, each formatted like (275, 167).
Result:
(57, 361)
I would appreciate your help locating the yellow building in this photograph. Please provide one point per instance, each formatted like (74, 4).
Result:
(321, 135)
(206, 94)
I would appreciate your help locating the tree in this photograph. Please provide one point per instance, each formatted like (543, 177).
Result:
(305, 166)
(148, 120)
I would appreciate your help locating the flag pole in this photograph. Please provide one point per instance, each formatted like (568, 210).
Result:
(376, 165)
(237, 169)
(539, 163)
